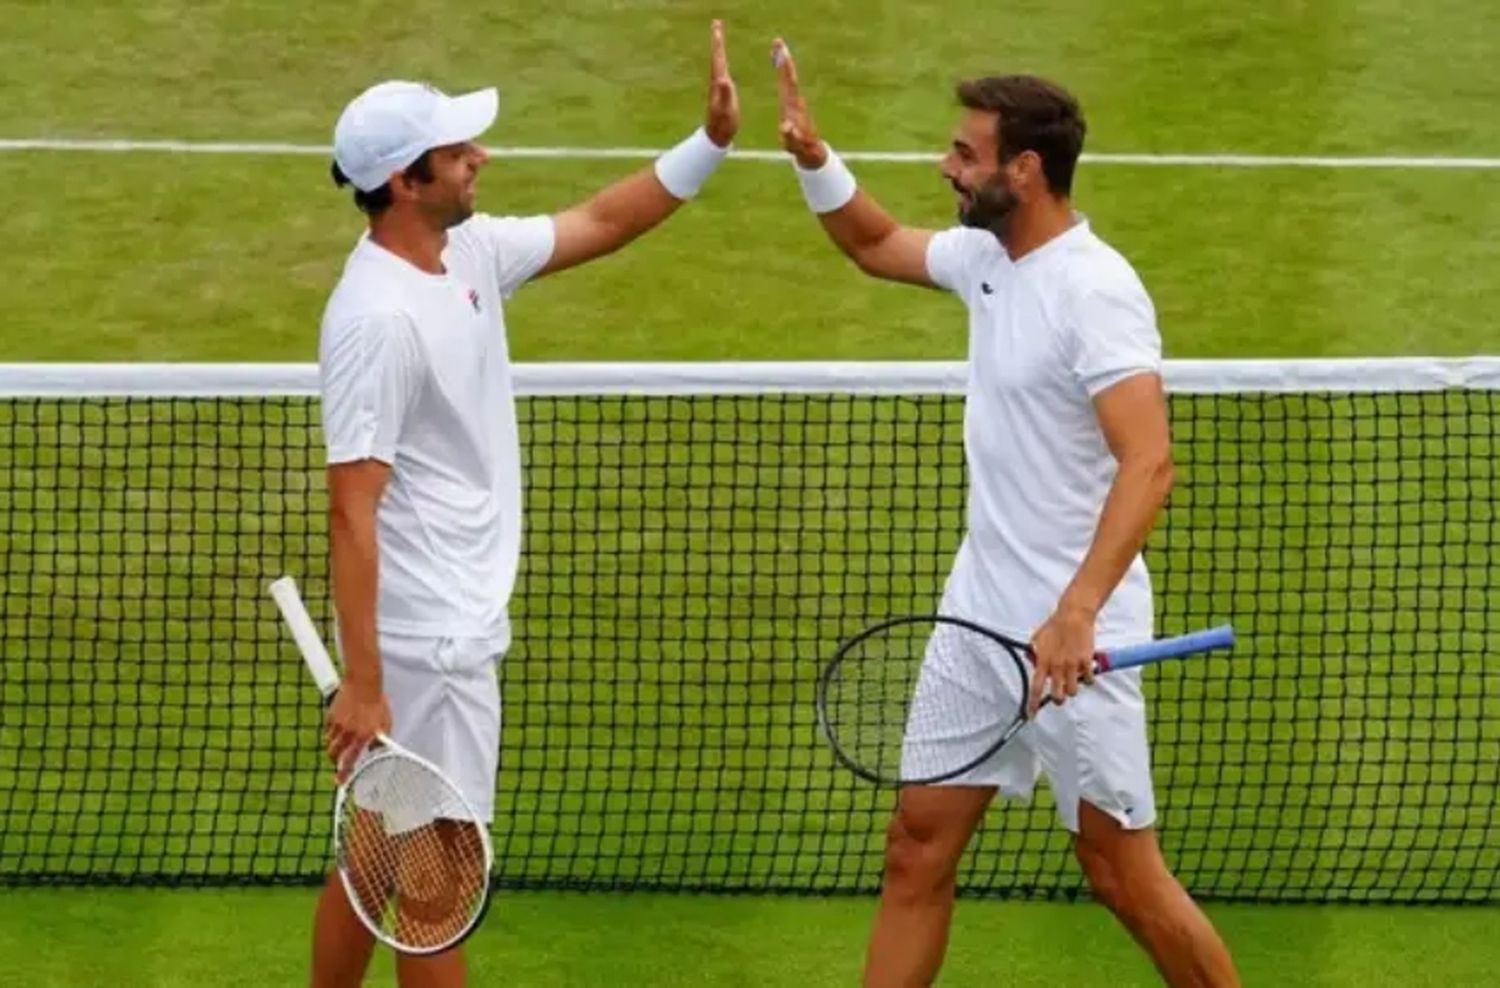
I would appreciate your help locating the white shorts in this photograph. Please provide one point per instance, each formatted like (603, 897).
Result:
(1092, 748)
(444, 695)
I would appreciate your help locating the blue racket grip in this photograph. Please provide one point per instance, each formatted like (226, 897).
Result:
(1165, 648)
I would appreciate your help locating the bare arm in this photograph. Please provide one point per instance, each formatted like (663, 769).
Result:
(609, 220)
(1133, 417)
(863, 230)
(881, 247)
(360, 709)
(617, 215)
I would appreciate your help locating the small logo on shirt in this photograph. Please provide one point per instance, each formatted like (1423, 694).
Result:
(474, 299)
(984, 286)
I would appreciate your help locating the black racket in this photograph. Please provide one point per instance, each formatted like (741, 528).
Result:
(957, 686)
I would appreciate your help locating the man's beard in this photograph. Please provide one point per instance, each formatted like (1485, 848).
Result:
(989, 207)
(447, 215)
(459, 212)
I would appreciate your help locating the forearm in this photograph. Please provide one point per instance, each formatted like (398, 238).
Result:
(355, 568)
(630, 207)
(858, 227)
(1130, 511)
(851, 217)
(621, 212)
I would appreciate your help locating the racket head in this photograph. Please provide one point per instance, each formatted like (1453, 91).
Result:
(871, 698)
(412, 854)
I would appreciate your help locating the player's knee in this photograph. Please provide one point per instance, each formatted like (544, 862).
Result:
(917, 861)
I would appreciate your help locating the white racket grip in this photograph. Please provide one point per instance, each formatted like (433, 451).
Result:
(305, 633)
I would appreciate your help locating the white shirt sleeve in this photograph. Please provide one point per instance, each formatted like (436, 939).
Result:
(371, 370)
(1115, 334)
(517, 247)
(951, 255)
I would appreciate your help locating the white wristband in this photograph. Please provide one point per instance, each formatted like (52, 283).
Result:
(827, 188)
(684, 169)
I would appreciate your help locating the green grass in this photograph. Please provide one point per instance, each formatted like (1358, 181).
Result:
(210, 258)
(169, 257)
(131, 563)
(180, 939)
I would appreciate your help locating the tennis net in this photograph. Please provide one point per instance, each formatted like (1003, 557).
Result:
(699, 539)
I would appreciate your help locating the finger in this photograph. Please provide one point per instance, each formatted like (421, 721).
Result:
(1061, 685)
(338, 746)
(787, 85)
(719, 56)
(344, 767)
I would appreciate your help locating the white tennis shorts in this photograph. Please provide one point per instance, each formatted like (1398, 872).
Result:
(1093, 747)
(444, 695)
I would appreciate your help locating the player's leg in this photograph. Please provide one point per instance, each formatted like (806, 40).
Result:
(341, 943)
(1097, 758)
(1127, 873)
(926, 837)
(445, 970)
(450, 968)
(957, 713)
(459, 730)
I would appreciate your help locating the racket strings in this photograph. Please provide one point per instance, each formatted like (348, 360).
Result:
(418, 874)
(920, 698)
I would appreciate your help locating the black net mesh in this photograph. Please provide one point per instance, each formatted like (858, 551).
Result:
(690, 562)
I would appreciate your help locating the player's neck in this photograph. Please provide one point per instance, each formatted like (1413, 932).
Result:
(1034, 224)
(405, 235)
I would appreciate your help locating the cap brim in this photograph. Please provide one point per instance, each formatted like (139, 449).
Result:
(463, 118)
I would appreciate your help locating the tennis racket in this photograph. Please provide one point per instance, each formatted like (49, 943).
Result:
(413, 855)
(949, 683)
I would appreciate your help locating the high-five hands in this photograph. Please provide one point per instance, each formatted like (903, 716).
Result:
(723, 118)
(799, 135)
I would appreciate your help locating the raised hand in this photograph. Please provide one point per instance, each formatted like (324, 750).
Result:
(799, 135)
(723, 119)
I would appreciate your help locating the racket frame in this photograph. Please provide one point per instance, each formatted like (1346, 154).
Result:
(320, 665)
(1105, 661)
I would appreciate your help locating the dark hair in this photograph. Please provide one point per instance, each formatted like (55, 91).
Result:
(1035, 115)
(375, 202)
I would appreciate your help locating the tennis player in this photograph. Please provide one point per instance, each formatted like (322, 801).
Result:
(1069, 457)
(422, 445)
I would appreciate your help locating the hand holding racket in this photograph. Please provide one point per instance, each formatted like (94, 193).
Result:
(413, 855)
(958, 687)
(355, 718)
(1062, 656)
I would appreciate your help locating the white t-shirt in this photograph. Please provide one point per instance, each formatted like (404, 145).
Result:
(1046, 334)
(415, 372)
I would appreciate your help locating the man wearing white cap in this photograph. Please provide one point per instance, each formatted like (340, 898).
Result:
(422, 443)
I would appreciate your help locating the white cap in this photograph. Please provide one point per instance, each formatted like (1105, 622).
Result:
(390, 125)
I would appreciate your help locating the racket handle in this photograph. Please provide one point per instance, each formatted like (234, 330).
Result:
(305, 633)
(1165, 648)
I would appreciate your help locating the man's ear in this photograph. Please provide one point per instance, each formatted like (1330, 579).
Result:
(1028, 169)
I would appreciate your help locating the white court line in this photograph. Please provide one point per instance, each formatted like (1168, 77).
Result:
(903, 157)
